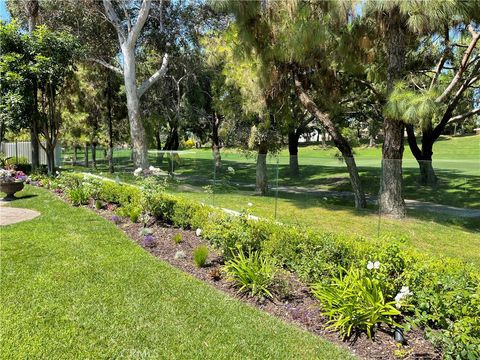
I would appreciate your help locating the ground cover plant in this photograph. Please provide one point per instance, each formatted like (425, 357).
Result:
(418, 285)
(74, 286)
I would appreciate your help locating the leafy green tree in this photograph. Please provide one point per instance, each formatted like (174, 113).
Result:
(428, 100)
(54, 63)
(398, 28)
(16, 78)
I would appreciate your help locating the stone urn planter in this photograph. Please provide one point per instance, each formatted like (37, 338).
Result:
(10, 188)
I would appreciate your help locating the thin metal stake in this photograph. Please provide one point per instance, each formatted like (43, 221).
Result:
(276, 192)
(214, 181)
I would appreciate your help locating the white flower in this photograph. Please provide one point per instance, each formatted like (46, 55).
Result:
(404, 292)
(151, 168)
(370, 265)
(373, 265)
(137, 171)
(376, 265)
(56, 172)
(199, 232)
(250, 204)
(231, 170)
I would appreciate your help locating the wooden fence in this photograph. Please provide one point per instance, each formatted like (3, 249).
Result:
(23, 149)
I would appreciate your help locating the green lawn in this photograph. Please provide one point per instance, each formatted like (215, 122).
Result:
(457, 163)
(75, 287)
(456, 160)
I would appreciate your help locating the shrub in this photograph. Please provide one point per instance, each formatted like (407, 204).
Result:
(184, 213)
(177, 238)
(447, 301)
(282, 284)
(159, 204)
(132, 211)
(227, 232)
(200, 255)
(98, 204)
(355, 302)
(253, 273)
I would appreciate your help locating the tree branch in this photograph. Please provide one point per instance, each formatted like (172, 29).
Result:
(141, 19)
(412, 142)
(463, 64)
(443, 59)
(113, 18)
(464, 116)
(157, 75)
(377, 93)
(107, 65)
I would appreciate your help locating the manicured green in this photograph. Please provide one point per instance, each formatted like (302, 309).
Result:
(74, 286)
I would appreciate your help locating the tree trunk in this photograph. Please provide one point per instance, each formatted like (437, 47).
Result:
(340, 143)
(423, 156)
(175, 142)
(216, 142)
(261, 184)
(293, 151)
(94, 154)
(360, 201)
(75, 149)
(34, 145)
(391, 201)
(32, 7)
(158, 140)
(109, 94)
(216, 155)
(86, 155)
(50, 152)
(137, 130)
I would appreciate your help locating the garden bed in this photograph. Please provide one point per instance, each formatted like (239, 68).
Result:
(299, 307)
(305, 277)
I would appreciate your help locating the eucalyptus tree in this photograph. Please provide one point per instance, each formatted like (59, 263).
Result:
(128, 29)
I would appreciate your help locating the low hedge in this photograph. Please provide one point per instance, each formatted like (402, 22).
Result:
(445, 293)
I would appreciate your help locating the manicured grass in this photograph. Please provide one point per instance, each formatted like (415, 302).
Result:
(75, 287)
(456, 161)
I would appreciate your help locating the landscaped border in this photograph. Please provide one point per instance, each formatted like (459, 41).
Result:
(169, 210)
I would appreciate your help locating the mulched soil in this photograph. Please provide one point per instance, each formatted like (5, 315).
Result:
(300, 308)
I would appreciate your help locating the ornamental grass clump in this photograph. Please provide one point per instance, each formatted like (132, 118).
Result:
(354, 302)
(177, 238)
(200, 255)
(252, 274)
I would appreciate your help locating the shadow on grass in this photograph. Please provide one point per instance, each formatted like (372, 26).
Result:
(317, 186)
